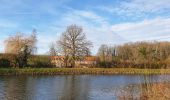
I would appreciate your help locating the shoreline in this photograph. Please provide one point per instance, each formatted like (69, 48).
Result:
(82, 71)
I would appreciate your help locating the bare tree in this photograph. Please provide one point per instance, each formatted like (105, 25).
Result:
(73, 43)
(102, 52)
(53, 50)
(22, 47)
(106, 54)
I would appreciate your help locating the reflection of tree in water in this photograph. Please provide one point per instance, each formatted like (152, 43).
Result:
(15, 88)
(146, 90)
(76, 88)
(129, 92)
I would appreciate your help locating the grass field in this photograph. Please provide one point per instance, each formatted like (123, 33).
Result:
(77, 71)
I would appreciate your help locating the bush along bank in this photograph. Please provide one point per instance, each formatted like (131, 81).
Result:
(81, 71)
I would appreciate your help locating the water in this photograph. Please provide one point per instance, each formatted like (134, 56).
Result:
(81, 87)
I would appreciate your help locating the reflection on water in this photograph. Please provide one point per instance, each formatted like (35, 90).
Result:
(85, 87)
(148, 89)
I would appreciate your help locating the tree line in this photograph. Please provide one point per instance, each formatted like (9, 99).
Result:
(20, 51)
(136, 55)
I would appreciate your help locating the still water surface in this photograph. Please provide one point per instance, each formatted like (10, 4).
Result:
(80, 87)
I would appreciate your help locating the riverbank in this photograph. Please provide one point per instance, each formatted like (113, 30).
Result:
(78, 71)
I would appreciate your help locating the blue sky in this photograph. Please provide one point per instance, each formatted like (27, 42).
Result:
(109, 22)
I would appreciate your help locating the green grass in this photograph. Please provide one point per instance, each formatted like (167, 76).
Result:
(77, 71)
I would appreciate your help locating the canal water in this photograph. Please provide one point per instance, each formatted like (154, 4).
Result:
(85, 87)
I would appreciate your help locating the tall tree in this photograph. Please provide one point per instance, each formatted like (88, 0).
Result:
(22, 47)
(102, 52)
(74, 43)
(52, 51)
(106, 54)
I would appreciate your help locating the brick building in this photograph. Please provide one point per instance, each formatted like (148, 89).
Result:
(58, 61)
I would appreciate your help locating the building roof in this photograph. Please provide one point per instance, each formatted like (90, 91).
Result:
(91, 58)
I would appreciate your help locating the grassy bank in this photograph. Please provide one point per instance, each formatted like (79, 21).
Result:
(77, 71)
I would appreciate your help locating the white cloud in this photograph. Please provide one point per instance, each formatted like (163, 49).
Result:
(146, 5)
(89, 15)
(144, 30)
(138, 8)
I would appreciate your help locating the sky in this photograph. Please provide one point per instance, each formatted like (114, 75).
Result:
(111, 22)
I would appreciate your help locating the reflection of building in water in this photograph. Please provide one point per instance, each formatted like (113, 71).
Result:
(151, 91)
(59, 61)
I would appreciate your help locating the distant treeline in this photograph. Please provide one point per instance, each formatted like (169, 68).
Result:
(129, 55)
(136, 55)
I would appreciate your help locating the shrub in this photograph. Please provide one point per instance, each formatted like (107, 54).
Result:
(4, 63)
(39, 62)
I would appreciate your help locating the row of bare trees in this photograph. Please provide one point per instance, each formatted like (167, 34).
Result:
(140, 54)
